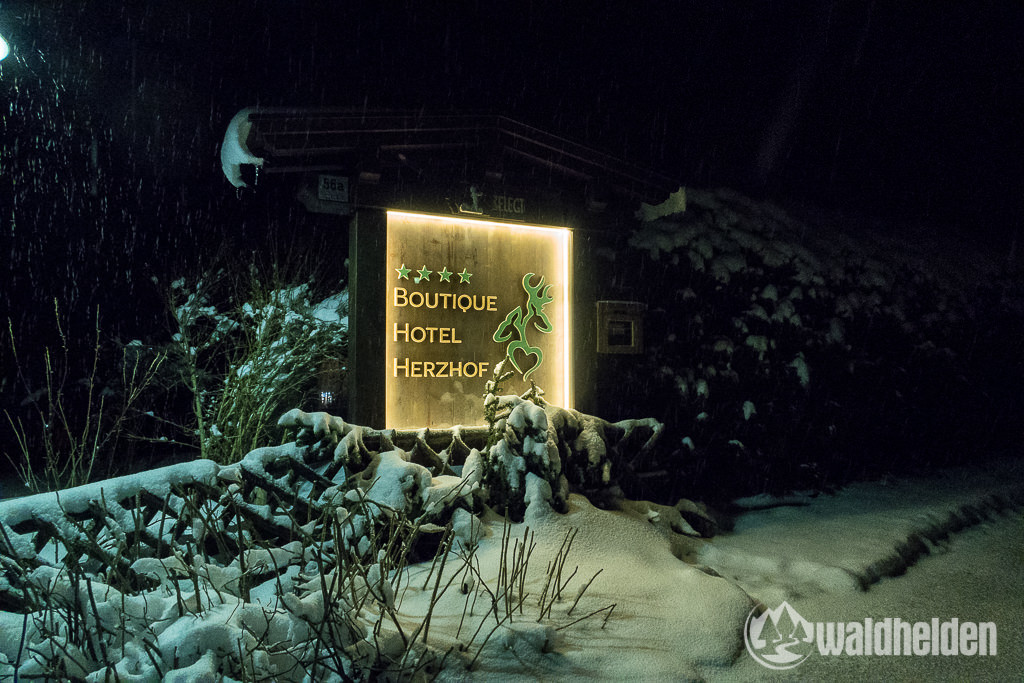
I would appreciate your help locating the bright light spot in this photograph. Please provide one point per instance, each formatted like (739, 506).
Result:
(440, 346)
(5, 49)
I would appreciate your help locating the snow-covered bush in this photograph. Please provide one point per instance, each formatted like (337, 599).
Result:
(243, 364)
(784, 353)
(565, 449)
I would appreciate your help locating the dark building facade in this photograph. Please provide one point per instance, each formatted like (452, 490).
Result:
(493, 187)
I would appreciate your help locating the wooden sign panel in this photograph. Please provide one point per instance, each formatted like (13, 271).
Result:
(463, 294)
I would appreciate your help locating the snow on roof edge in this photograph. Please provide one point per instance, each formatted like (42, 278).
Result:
(234, 152)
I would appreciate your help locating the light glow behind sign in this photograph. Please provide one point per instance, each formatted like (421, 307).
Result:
(462, 294)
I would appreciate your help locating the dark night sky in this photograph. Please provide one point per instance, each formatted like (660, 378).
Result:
(887, 104)
(891, 109)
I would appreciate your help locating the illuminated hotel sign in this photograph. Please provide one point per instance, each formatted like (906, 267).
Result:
(461, 295)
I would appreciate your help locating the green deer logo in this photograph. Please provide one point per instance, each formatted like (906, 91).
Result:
(517, 320)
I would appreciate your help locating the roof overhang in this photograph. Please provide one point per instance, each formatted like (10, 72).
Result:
(371, 146)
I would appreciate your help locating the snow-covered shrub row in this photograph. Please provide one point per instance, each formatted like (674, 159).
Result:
(243, 364)
(534, 449)
(419, 484)
(783, 354)
(291, 564)
(202, 597)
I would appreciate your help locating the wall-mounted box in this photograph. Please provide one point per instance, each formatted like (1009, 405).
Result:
(620, 327)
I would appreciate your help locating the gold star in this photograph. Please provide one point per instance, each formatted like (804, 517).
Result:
(403, 272)
(464, 276)
(445, 274)
(424, 274)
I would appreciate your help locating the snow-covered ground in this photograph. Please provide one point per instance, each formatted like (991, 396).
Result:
(976, 575)
(944, 546)
(947, 545)
(940, 546)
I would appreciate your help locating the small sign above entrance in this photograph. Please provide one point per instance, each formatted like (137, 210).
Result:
(332, 188)
(481, 202)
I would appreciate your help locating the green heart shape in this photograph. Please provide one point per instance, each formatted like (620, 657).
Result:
(527, 350)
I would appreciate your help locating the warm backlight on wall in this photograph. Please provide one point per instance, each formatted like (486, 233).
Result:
(463, 294)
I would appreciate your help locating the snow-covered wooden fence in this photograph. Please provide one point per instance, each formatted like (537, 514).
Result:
(119, 529)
